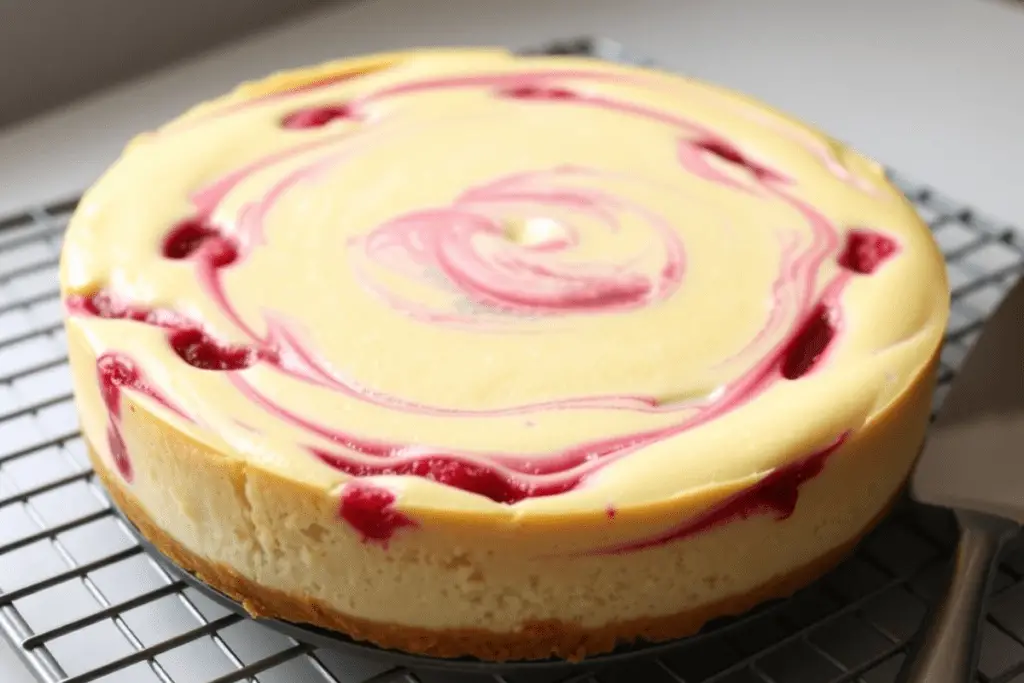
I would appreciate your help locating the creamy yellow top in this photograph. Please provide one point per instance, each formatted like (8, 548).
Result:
(500, 283)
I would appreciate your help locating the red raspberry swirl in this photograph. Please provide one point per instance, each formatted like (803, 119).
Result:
(511, 250)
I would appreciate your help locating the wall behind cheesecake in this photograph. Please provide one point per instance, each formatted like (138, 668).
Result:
(55, 51)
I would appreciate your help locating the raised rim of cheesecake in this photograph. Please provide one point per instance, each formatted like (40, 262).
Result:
(554, 351)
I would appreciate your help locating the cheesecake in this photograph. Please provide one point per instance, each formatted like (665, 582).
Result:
(465, 353)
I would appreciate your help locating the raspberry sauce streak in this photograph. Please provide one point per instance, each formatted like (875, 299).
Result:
(775, 494)
(370, 511)
(509, 280)
(284, 93)
(116, 373)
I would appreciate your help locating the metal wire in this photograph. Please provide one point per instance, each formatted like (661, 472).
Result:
(80, 601)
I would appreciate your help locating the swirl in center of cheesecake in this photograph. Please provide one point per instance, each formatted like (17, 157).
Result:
(508, 248)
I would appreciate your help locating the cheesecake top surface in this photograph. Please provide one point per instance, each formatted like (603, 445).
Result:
(496, 283)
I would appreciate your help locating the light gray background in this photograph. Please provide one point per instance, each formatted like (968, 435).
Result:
(56, 50)
(933, 87)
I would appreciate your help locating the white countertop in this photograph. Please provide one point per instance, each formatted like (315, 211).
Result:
(933, 88)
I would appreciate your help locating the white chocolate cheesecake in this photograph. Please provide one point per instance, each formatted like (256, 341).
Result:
(466, 353)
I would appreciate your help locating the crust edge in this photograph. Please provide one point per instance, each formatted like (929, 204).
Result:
(536, 640)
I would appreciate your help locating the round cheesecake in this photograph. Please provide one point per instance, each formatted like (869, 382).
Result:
(465, 353)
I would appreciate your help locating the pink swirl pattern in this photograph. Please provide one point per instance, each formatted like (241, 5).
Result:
(468, 248)
(480, 247)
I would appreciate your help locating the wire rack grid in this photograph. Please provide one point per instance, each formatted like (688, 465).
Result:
(80, 600)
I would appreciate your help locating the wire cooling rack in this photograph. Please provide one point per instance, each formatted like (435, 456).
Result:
(80, 600)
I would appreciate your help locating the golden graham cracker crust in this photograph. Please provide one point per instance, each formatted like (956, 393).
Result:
(536, 640)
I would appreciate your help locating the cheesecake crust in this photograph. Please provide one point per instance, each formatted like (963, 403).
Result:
(536, 640)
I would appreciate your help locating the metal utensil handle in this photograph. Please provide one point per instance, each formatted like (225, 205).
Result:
(947, 651)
